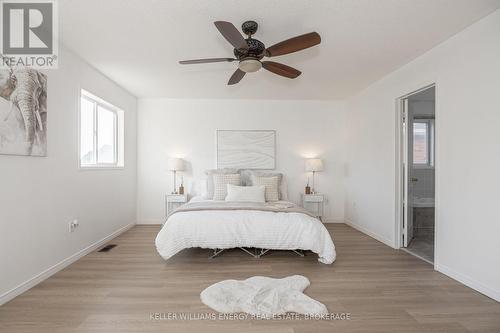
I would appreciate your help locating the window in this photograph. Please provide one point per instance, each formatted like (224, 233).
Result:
(423, 143)
(101, 133)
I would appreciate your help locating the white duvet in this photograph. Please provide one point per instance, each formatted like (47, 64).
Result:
(224, 229)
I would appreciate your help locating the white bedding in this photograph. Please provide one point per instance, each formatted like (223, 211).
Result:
(224, 229)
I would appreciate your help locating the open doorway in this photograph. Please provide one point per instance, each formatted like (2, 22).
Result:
(417, 176)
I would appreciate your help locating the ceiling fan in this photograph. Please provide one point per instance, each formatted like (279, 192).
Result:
(250, 51)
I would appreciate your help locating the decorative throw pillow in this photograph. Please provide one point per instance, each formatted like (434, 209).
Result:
(246, 193)
(210, 179)
(247, 179)
(220, 184)
(271, 184)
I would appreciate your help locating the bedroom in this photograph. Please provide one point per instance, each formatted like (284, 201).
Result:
(59, 209)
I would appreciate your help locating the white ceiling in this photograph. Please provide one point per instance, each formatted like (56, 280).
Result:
(138, 43)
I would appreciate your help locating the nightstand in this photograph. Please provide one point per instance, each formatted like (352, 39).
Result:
(313, 203)
(173, 201)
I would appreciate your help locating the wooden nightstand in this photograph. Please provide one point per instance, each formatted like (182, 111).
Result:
(173, 201)
(314, 203)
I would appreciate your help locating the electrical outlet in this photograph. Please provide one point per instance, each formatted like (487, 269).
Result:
(73, 225)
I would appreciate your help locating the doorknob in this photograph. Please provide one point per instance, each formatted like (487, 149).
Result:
(413, 179)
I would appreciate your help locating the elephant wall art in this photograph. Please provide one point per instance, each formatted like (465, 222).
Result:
(23, 112)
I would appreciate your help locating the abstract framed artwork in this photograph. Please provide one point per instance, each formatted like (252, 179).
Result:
(246, 149)
(23, 112)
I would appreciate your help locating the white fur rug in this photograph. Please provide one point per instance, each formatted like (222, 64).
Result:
(262, 296)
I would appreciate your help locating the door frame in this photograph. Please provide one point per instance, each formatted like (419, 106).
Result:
(400, 157)
(407, 173)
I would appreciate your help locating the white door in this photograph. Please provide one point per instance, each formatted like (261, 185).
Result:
(407, 175)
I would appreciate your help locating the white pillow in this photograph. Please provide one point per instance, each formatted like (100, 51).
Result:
(220, 184)
(271, 185)
(246, 193)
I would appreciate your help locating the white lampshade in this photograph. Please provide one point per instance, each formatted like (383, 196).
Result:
(175, 164)
(314, 164)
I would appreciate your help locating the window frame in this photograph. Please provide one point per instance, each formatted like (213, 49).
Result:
(99, 102)
(430, 143)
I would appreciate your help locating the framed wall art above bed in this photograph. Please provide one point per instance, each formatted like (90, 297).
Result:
(246, 149)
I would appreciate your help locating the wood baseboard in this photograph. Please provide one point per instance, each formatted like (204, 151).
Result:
(7, 296)
(152, 221)
(333, 221)
(471, 283)
(384, 240)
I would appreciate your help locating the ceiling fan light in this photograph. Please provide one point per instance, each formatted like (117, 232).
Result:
(250, 65)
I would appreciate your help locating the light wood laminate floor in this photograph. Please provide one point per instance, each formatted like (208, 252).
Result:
(383, 289)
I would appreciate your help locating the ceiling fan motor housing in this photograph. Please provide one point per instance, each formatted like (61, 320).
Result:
(250, 58)
(255, 49)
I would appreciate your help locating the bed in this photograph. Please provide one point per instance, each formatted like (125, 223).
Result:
(212, 224)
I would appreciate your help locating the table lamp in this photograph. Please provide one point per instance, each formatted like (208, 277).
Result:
(175, 164)
(314, 165)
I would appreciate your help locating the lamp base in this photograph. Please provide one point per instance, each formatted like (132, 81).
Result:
(175, 183)
(313, 190)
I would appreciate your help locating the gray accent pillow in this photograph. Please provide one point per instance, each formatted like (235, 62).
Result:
(210, 179)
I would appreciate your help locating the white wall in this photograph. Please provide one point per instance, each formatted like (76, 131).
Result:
(40, 195)
(186, 128)
(466, 70)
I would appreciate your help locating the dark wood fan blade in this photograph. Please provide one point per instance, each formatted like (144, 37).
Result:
(236, 77)
(204, 61)
(294, 44)
(281, 69)
(233, 36)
